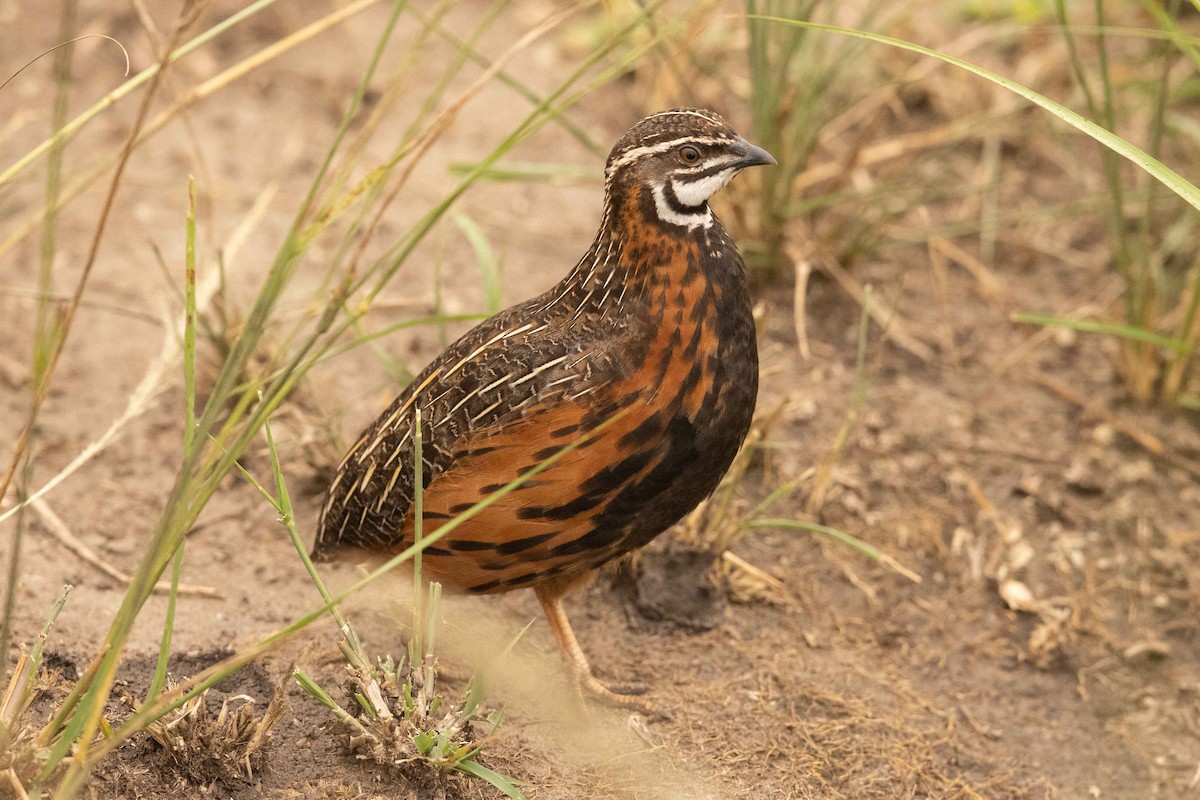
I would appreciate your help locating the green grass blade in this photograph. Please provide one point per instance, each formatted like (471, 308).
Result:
(1172, 29)
(416, 652)
(39, 646)
(1130, 332)
(854, 543)
(314, 689)
(1138, 157)
(69, 130)
(527, 172)
(477, 770)
(158, 680)
(485, 260)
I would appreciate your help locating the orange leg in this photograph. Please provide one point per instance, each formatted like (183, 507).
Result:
(580, 672)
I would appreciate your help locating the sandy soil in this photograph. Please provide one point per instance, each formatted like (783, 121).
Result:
(977, 467)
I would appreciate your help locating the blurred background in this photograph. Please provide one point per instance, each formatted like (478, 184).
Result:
(957, 556)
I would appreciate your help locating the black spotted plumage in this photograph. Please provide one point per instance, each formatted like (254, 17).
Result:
(643, 355)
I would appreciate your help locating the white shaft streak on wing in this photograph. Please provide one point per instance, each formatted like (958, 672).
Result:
(450, 414)
(394, 417)
(365, 478)
(567, 287)
(325, 512)
(333, 495)
(499, 381)
(506, 379)
(485, 412)
(391, 484)
(600, 256)
(498, 337)
(592, 267)
(352, 451)
(668, 214)
(541, 368)
(583, 303)
(564, 379)
(523, 403)
(604, 298)
(588, 390)
(399, 448)
(596, 261)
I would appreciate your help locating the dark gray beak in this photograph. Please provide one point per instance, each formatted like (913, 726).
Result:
(752, 155)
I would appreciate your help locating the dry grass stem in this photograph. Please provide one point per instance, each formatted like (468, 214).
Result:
(185, 101)
(15, 783)
(806, 246)
(1144, 439)
(990, 284)
(65, 323)
(891, 149)
(165, 364)
(750, 583)
(800, 306)
(62, 533)
(1036, 341)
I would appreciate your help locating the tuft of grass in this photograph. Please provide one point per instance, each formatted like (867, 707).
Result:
(226, 747)
(1160, 332)
(1156, 302)
(401, 718)
(22, 751)
(798, 85)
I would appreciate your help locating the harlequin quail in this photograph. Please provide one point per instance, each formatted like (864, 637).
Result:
(644, 356)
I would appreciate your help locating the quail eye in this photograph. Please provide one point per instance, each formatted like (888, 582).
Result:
(689, 154)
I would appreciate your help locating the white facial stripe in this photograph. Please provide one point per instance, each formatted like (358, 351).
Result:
(668, 214)
(661, 147)
(697, 192)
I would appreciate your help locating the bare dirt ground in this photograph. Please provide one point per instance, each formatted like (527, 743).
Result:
(1005, 465)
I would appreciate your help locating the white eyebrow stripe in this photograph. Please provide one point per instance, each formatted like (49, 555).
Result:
(661, 147)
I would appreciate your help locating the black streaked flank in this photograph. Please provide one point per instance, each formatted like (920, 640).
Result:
(468, 545)
(517, 545)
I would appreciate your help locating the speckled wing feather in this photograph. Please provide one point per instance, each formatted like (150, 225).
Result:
(459, 393)
(512, 366)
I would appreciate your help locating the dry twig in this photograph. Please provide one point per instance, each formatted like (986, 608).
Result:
(71, 542)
